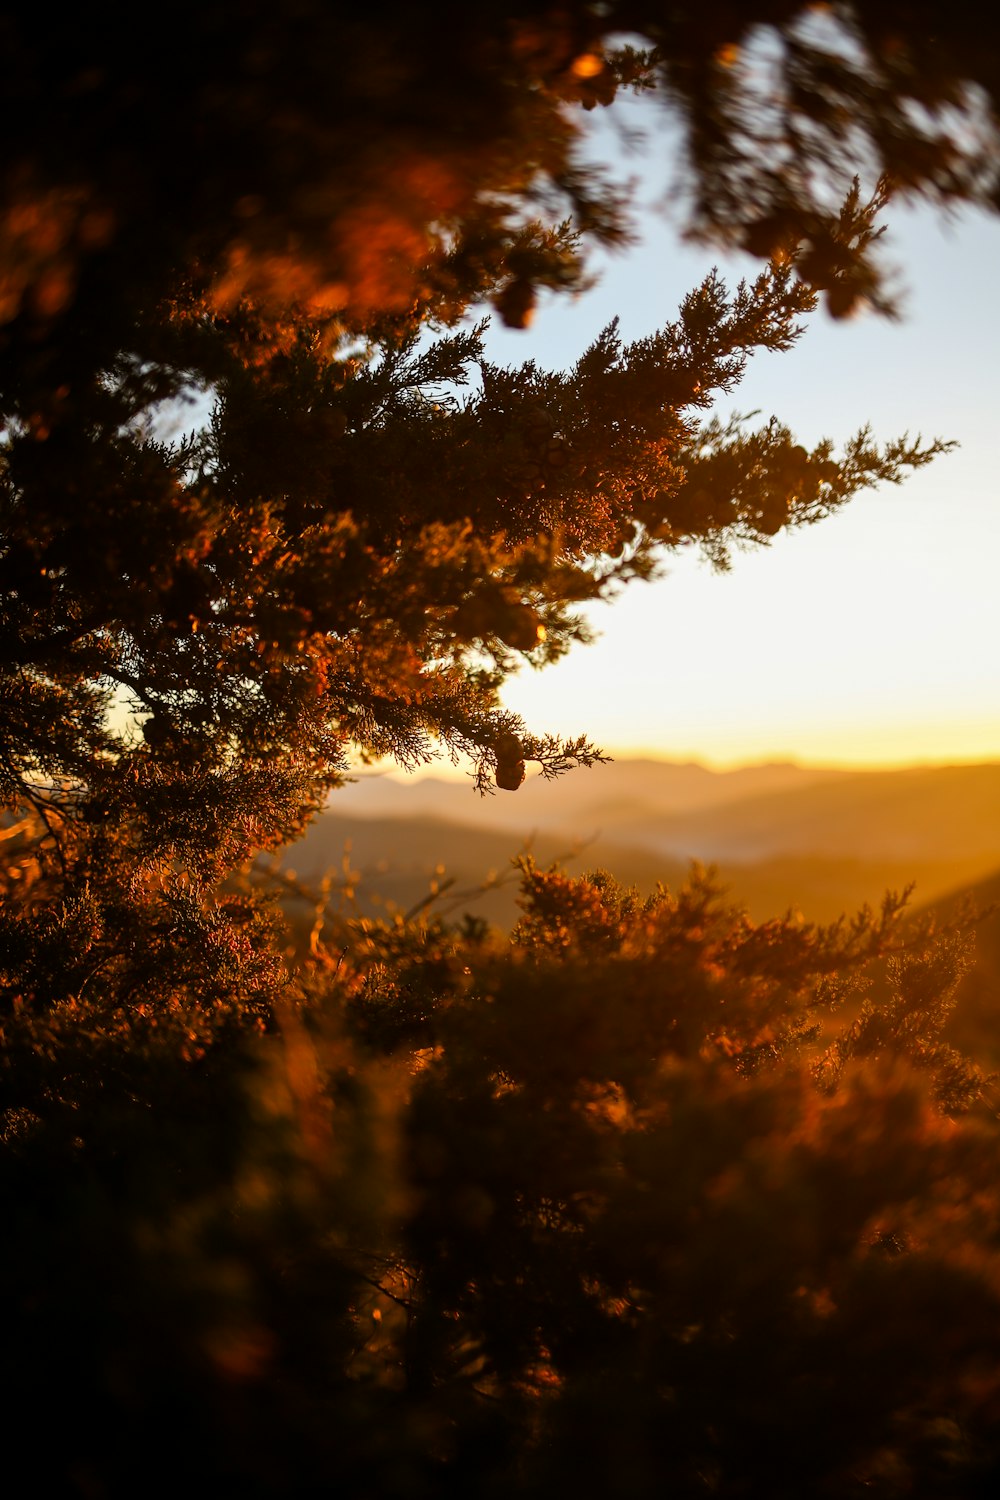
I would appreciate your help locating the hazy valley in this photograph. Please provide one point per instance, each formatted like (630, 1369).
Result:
(780, 835)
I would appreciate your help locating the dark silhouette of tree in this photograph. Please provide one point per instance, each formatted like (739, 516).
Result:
(369, 160)
(622, 1178)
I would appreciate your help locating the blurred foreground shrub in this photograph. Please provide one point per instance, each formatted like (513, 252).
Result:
(646, 1200)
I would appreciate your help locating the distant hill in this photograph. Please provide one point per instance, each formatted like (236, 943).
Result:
(598, 798)
(397, 859)
(947, 812)
(782, 836)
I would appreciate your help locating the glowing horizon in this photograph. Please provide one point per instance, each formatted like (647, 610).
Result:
(443, 769)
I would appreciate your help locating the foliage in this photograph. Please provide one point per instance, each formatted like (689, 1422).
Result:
(647, 1204)
(615, 1205)
(341, 558)
(358, 161)
(376, 524)
(647, 1197)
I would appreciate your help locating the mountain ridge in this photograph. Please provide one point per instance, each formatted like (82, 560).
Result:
(823, 842)
(687, 811)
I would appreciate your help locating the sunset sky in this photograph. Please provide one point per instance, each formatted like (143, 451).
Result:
(870, 639)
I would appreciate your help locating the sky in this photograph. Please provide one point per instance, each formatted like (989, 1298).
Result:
(869, 639)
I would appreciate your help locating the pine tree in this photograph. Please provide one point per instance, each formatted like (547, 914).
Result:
(539, 1163)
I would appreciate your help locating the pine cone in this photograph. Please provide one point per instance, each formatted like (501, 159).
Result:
(510, 774)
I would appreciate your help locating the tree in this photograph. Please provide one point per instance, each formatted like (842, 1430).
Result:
(362, 161)
(372, 526)
(294, 290)
(687, 1237)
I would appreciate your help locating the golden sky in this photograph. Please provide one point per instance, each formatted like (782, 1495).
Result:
(869, 639)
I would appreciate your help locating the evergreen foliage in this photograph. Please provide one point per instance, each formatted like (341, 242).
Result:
(646, 1199)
